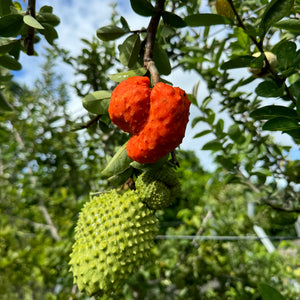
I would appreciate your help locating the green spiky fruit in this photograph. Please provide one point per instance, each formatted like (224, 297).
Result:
(113, 237)
(158, 188)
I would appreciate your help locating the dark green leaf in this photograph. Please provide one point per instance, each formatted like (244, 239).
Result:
(292, 25)
(110, 32)
(213, 145)
(118, 164)
(4, 105)
(197, 120)
(10, 63)
(269, 89)
(129, 50)
(32, 22)
(192, 99)
(286, 53)
(271, 111)
(124, 75)
(5, 7)
(48, 18)
(167, 31)
(124, 23)
(206, 20)
(202, 133)
(234, 132)
(294, 133)
(10, 25)
(6, 45)
(50, 33)
(142, 7)
(225, 162)
(155, 165)
(119, 179)
(173, 20)
(275, 11)
(46, 9)
(97, 102)
(268, 292)
(281, 123)
(161, 59)
(238, 62)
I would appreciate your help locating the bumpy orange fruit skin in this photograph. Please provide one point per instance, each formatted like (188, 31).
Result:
(165, 126)
(130, 103)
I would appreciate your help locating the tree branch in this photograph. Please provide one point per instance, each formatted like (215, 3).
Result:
(29, 40)
(150, 41)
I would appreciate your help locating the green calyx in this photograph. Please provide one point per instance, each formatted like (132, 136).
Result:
(158, 188)
(113, 237)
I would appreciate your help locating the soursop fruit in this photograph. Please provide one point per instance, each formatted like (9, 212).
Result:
(113, 237)
(158, 188)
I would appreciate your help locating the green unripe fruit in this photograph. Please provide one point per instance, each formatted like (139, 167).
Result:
(158, 188)
(113, 237)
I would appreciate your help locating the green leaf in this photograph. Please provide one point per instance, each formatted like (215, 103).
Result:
(286, 53)
(275, 11)
(4, 105)
(50, 33)
(6, 45)
(118, 164)
(269, 89)
(32, 22)
(119, 179)
(281, 123)
(129, 50)
(5, 7)
(124, 75)
(294, 133)
(238, 62)
(192, 99)
(268, 292)
(46, 9)
(10, 25)
(271, 111)
(161, 60)
(213, 145)
(173, 20)
(234, 132)
(97, 102)
(142, 7)
(10, 63)
(48, 18)
(110, 32)
(197, 120)
(226, 162)
(202, 133)
(292, 25)
(206, 20)
(157, 164)
(124, 23)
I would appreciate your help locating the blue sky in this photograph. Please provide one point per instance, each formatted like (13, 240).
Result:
(81, 19)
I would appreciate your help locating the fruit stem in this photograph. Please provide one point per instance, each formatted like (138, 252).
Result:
(150, 41)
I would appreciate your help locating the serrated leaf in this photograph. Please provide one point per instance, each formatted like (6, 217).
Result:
(268, 292)
(142, 7)
(10, 25)
(124, 75)
(129, 50)
(271, 111)
(110, 32)
(161, 60)
(281, 123)
(4, 105)
(292, 25)
(275, 11)
(32, 22)
(213, 145)
(97, 102)
(269, 89)
(10, 63)
(173, 20)
(206, 20)
(118, 164)
(238, 62)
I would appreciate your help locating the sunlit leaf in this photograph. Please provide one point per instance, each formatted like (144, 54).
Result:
(124, 75)
(97, 102)
(118, 164)
(32, 22)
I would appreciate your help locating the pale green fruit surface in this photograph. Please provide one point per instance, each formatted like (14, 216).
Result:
(113, 237)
